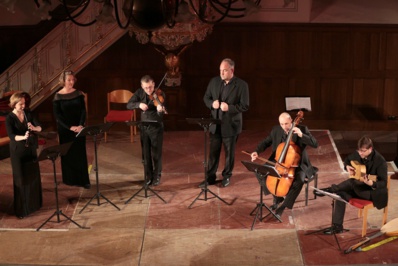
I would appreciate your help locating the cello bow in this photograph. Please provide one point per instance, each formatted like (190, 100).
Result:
(264, 160)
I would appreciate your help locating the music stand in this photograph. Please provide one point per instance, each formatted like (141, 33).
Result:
(142, 125)
(52, 153)
(261, 172)
(334, 198)
(205, 123)
(95, 131)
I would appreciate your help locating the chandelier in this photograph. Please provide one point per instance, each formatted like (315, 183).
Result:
(176, 23)
(170, 24)
(153, 12)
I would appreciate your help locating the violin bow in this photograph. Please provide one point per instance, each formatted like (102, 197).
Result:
(165, 75)
(155, 91)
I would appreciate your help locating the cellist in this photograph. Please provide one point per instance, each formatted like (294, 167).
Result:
(301, 137)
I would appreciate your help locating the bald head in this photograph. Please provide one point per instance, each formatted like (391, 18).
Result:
(285, 121)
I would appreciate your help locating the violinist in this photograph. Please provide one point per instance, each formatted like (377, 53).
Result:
(301, 137)
(151, 103)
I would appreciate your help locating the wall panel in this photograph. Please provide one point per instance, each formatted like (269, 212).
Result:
(342, 68)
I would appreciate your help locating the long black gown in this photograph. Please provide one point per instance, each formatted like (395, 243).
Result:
(70, 110)
(25, 169)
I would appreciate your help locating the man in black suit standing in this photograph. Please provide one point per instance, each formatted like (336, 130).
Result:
(227, 96)
(301, 137)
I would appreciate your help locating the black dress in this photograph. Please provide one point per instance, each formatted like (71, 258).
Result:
(70, 110)
(25, 168)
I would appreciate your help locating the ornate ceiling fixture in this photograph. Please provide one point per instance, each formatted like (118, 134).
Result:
(170, 23)
(176, 23)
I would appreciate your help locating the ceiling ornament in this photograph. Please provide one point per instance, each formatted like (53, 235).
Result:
(173, 38)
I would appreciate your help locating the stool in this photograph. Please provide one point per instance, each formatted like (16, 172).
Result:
(365, 205)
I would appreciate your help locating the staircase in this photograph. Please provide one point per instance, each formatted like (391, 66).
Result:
(67, 46)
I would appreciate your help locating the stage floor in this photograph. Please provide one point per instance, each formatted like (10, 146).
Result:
(149, 231)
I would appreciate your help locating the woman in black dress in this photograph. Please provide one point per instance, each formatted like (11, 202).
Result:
(23, 154)
(70, 113)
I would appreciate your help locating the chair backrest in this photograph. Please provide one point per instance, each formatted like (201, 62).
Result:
(118, 96)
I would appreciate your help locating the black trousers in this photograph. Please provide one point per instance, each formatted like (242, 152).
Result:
(152, 147)
(348, 189)
(216, 142)
(295, 189)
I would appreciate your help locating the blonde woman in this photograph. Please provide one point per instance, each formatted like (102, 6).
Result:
(21, 125)
(70, 113)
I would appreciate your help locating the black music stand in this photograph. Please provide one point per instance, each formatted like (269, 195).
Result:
(143, 125)
(95, 131)
(334, 198)
(52, 153)
(205, 123)
(261, 172)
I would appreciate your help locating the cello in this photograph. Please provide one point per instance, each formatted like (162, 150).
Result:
(288, 156)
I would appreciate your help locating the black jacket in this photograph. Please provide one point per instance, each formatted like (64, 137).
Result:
(151, 114)
(375, 165)
(275, 138)
(237, 100)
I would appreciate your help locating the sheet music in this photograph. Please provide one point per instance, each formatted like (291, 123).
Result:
(298, 103)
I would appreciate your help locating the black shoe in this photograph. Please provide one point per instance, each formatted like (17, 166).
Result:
(87, 186)
(156, 182)
(280, 210)
(277, 201)
(319, 194)
(210, 182)
(225, 182)
(334, 229)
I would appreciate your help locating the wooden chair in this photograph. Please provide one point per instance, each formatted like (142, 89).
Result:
(307, 182)
(365, 205)
(120, 97)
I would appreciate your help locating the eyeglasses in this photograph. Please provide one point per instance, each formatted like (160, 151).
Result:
(362, 150)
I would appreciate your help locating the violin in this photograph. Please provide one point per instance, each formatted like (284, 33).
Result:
(158, 99)
(157, 96)
(288, 156)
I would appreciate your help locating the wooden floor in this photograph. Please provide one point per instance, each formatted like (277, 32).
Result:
(214, 231)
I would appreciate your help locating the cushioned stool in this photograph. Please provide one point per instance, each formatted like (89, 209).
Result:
(365, 205)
